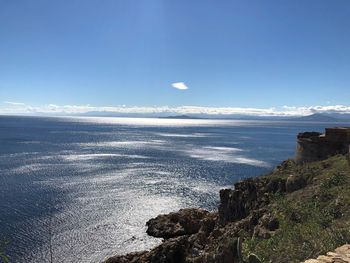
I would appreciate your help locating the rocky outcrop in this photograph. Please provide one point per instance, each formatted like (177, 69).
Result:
(266, 226)
(198, 236)
(259, 210)
(171, 251)
(247, 196)
(183, 222)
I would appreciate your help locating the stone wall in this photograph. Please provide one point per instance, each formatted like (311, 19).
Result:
(341, 255)
(341, 134)
(315, 146)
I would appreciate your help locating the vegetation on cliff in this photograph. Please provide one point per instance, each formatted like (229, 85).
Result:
(312, 220)
(296, 212)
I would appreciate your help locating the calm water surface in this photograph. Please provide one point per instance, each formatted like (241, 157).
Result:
(83, 188)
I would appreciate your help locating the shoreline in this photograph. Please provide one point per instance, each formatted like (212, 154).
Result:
(249, 217)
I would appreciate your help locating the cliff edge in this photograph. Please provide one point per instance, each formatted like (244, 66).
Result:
(298, 211)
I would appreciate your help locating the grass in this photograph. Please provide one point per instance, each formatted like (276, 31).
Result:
(313, 220)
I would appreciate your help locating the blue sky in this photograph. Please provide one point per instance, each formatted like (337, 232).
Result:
(239, 54)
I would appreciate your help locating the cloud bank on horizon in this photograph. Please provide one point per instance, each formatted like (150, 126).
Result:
(8, 107)
(179, 85)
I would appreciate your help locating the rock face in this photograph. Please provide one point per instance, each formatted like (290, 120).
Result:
(172, 251)
(199, 236)
(340, 255)
(247, 211)
(183, 222)
(247, 196)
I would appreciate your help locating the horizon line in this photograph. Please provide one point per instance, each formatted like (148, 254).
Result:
(17, 108)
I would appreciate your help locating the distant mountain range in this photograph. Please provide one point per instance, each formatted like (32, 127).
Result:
(181, 117)
(316, 117)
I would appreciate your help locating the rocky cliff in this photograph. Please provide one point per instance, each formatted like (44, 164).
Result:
(296, 212)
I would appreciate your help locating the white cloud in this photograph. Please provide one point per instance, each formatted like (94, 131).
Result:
(292, 110)
(21, 108)
(179, 85)
(14, 103)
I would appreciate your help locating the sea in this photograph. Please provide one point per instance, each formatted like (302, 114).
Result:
(80, 189)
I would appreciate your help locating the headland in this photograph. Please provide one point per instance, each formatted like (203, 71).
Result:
(298, 211)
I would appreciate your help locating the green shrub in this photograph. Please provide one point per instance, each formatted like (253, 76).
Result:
(313, 220)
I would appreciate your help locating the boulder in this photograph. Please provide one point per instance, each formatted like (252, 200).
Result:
(270, 222)
(295, 182)
(184, 222)
(171, 251)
